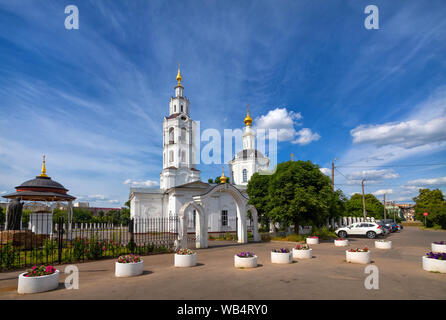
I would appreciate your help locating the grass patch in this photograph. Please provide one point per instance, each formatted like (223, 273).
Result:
(323, 233)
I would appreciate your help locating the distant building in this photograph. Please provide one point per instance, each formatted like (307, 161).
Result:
(81, 205)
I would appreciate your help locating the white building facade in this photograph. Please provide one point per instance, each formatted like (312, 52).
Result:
(202, 208)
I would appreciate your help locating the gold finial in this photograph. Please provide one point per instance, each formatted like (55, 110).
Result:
(179, 78)
(248, 119)
(292, 156)
(43, 174)
(223, 178)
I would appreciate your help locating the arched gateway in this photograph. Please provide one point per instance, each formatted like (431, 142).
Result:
(200, 204)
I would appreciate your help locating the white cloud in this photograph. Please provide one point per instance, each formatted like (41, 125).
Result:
(284, 121)
(407, 134)
(373, 175)
(382, 191)
(305, 136)
(141, 183)
(426, 182)
(3, 192)
(325, 171)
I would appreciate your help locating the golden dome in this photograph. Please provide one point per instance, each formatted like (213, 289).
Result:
(43, 174)
(179, 78)
(223, 178)
(248, 119)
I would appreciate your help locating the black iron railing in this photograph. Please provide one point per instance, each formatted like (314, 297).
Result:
(45, 241)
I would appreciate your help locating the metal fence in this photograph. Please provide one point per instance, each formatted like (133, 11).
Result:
(47, 242)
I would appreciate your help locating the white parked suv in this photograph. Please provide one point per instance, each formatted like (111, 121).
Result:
(369, 229)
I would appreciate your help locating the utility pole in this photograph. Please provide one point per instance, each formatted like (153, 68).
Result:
(363, 200)
(332, 176)
(393, 206)
(385, 206)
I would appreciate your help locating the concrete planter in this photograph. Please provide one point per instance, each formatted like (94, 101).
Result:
(383, 244)
(245, 262)
(38, 284)
(341, 243)
(438, 247)
(129, 269)
(281, 257)
(434, 265)
(312, 240)
(302, 254)
(185, 260)
(358, 257)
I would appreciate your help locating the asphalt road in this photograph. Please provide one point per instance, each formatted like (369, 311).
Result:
(326, 276)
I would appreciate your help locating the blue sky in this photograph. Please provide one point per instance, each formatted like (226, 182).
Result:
(93, 99)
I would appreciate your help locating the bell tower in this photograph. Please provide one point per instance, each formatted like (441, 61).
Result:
(178, 142)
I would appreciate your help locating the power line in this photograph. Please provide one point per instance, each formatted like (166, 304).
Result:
(343, 174)
(392, 166)
(388, 185)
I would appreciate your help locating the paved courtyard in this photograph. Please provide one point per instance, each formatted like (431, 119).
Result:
(326, 276)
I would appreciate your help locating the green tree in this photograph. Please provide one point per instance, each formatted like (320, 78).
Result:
(374, 207)
(57, 213)
(432, 202)
(81, 215)
(124, 214)
(299, 193)
(210, 180)
(217, 180)
(258, 195)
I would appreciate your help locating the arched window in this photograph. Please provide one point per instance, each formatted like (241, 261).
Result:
(171, 156)
(245, 175)
(174, 108)
(171, 136)
(182, 108)
(183, 156)
(183, 134)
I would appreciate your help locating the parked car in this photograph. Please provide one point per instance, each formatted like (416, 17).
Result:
(392, 226)
(386, 230)
(369, 229)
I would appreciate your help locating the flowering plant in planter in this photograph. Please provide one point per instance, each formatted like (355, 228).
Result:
(245, 254)
(131, 258)
(436, 255)
(440, 242)
(340, 239)
(314, 237)
(302, 247)
(281, 250)
(359, 250)
(185, 251)
(37, 271)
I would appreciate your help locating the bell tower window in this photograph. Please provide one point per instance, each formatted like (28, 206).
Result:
(245, 175)
(171, 136)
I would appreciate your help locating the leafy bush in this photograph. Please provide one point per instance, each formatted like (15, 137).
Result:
(323, 233)
(292, 237)
(50, 247)
(8, 255)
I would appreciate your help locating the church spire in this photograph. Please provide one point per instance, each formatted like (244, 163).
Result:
(248, 119)
(43, 173)
(179, 77)
(223, 178)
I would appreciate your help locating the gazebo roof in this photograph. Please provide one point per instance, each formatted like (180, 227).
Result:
(42, 188)
(39, 196)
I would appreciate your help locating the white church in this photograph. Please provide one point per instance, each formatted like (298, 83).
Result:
(202, 208)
